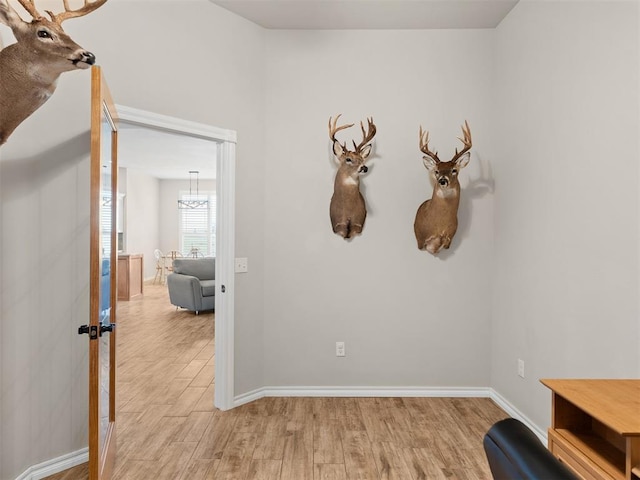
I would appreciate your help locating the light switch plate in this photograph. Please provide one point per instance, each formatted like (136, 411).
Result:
(242, 265)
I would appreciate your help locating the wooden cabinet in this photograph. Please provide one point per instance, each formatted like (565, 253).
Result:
(595, 427)
(130, 276)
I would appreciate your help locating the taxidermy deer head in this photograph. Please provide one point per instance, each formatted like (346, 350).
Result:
(348, 210)
(29, 69)
(437, 219)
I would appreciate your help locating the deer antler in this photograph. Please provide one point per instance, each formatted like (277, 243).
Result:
(87, 8)
(333, 129)
(30, 7)
(424, 145)
(366, 137)
(466, 141)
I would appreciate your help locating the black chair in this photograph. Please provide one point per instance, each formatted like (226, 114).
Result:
(514, 452)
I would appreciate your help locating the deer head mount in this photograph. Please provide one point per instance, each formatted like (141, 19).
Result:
(348, 209)
(29, 69)
(437, 219)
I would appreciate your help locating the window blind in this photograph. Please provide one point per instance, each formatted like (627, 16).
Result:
(198, 226)
(105, 223)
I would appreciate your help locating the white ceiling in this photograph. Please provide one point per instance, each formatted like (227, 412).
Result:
(371, 14)
(163, 154)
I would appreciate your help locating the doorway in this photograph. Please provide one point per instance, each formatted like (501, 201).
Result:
(223, 164)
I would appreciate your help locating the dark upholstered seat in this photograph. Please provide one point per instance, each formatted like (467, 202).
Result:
(514, 452)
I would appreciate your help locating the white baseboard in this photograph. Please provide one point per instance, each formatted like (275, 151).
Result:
(56, 465)
(361, 392)
(423, 392)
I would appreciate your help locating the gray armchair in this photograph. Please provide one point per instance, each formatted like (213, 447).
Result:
(192, 283)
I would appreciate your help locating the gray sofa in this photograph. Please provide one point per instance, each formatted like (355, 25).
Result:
(192, 283)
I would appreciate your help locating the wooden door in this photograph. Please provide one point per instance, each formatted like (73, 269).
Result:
(103, 266)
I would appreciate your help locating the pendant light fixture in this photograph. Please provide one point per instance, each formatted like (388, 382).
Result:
(194, 201)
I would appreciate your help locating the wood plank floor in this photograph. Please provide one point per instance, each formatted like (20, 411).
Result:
(168, 428)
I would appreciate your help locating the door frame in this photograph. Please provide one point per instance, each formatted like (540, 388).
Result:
(225, 235)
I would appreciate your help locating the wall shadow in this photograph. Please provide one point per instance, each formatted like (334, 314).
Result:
(477, 188)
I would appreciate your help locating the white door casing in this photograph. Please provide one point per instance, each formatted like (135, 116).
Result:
(225, 235)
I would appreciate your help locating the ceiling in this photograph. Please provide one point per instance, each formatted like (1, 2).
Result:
(163, 154)
(371, 14)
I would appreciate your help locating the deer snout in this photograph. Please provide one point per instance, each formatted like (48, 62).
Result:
(363, 169)
(443, 181)
(83, 59)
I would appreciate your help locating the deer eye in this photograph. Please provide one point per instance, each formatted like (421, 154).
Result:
(348, 160)
(454, 171)
(44, 34)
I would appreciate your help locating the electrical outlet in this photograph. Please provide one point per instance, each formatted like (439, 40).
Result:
(340, 351)
(521, 368)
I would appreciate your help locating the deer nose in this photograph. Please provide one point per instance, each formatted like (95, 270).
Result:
(364, 169)
(443, 181)
(88, 57)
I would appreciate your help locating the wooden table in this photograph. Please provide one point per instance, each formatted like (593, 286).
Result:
(595, 427)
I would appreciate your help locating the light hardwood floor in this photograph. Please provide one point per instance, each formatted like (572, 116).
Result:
(168, 429)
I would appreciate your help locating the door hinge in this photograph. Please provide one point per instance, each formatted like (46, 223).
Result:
(91, 330)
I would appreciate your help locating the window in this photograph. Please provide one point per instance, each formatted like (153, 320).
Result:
(198, 225)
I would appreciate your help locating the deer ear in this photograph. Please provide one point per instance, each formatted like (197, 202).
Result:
(366, 150)
(8, 15)
(337, 149)
(430, 163)
(464, 160)
(4, 14)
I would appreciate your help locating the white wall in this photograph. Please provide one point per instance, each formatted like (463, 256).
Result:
(44, 219)
(142, 217)
(565, 296)
(169, 224)
(194, 61)
(408, 319)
